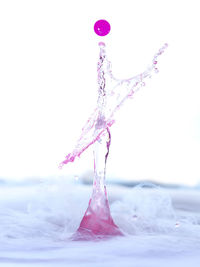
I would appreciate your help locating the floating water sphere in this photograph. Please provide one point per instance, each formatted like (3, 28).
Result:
(102, 27)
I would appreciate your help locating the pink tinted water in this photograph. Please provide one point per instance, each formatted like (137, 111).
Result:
(97, 222)
(117, 93)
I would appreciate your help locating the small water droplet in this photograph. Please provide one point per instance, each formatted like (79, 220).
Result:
(76, 177)
(177, 225)
(102, 44)
(135, 217)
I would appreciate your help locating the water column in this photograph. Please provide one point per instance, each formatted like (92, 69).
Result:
(97, 222)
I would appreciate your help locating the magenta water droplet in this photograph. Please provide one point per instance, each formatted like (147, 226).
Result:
(102, 27)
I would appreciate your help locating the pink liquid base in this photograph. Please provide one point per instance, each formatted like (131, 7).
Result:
(97, 222)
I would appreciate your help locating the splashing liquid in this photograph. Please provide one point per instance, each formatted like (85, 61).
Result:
(97, 222)
(116, 93)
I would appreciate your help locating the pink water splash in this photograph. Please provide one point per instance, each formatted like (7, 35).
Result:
(118, 91)
(97, 223)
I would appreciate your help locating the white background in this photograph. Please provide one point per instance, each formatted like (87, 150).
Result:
(48, 56)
